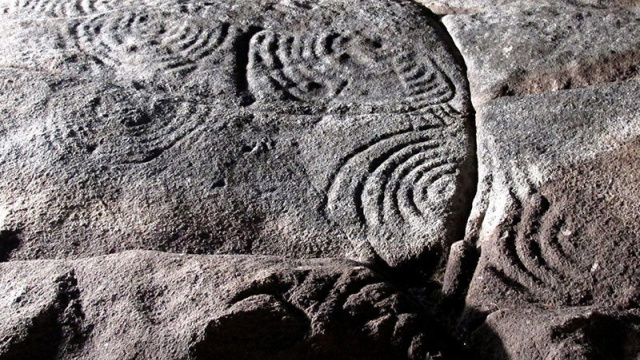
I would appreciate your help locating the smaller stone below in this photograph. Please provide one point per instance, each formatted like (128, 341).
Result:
(570, 333)
(154, 305)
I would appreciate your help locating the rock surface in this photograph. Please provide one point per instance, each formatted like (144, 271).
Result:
(543, 215)
(303, 171)
(537, 47)
(149, 305)
(290, 128)
(450, 7)
(577, 333)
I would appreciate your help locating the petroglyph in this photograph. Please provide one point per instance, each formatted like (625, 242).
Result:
(286, 150)
(341, 70)
(543, 220)
(68, 8)
(150, 41)
(214, 119)
(387, 190)
(381, 181)
(56, 8)
(425, 83)
(143, 130)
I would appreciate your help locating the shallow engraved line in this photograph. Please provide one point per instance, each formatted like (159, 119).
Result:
(381, 141)
(526, 237)
(391, 192)
(510, 245)
(420, 82)
(158, 149)
(553, 247)
(292, 68)
(386, 174)
(408, 175)
(363, 148)
(443, 170)
(70, 9)
(284, 63)
(551, 251)
(181, 46)
(410, 206)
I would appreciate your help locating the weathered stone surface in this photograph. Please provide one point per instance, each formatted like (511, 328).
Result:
(545, 334)
(297, 128)
(152, 305)
(447, 7)
(531, 48)
(556, 217)
(325, 129)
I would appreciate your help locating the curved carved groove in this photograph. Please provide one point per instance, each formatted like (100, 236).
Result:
(302, 68)
(415, 205)
(552, 249)
(509, 244)
(148, 140)
(532, 248)
(528, 244)
(425, 83)
(376, 183)
(61, 8)
(368, 187)
(331, 68)
(149, 39)
(393, 204)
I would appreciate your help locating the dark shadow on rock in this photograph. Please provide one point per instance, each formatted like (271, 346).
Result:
(555, 334)
(53, 333)
(259, 326)
(9, 241)
(358, 316)
(39, 341)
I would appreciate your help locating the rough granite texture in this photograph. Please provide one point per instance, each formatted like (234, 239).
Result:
(579, 333)
(542, 218)
(151, 305)
(303, 129)
(319, 179)
(448, 7)
(532, 47)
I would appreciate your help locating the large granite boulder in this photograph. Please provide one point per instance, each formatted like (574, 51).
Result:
(170, 169)
(296, 128)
